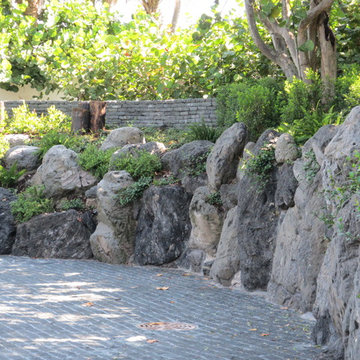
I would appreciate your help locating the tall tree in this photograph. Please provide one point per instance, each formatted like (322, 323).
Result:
(176, 14)
(301, 37)
(151, 6)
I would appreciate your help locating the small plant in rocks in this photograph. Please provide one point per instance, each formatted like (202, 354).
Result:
(214, 199)
(9, 177)
(134, 191)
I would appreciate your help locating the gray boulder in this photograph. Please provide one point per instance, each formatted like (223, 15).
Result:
(61, 174)
(227, 262)
(257, 222)
(163, 226)
(56, 235)
(302, 236)
(113, 240)
(17, 139)
(123, 136)
(192, 260)
(185, 160)
(7, 224)
(26, 157)
(286, 149)
(222, 163)
(206, 222)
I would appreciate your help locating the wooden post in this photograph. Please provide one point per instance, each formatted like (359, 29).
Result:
(97, 115)
(80, 118)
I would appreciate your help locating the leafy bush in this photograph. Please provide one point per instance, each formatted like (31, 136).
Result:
(96, 161)
(139, 165)
(30, 203)
(134, 191)
(4, 146)
(201, 131)
(214, 199)
(8, 178)
(169, 180)
(76, 204)
(171, 137)
(54, 137)
(255, 103)
(261, 165)
(26, 121)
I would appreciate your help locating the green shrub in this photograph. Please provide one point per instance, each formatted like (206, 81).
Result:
(170, 137)
(169, 180)
(54, 137)
(96, 161)
(76, 204)
(139, 165)
(26, 121)
(201, 131)
(134, 191)
(9, 177)
(30, 203)
(255, 103)
(4, 146)
(260, 166)
(214, 199)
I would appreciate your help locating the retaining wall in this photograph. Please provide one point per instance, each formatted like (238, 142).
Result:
(172, 113)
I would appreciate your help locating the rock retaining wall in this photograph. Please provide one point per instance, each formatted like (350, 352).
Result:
(171, 113)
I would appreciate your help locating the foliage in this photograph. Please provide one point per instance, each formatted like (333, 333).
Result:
(196, 165)
(53, 137)
(9, 177)
(30, 203)
(168, 180)
(4, 146)
(171, 137)
(26, 121)
(95, 160)
(201, 131)
(260, 166)
(311, 166)
(88, 53)
(76, 204)
(214, 199)
(139, 165)
(133, 191)
(255, 103)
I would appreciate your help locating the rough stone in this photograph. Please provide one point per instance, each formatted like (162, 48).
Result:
(286, 149)
(56, 235)
(26, 157)
(17, 139)
(229, 194)
(163, 225)
(192, 260)
(222, 163)
(257, 223)
(123, 136)
(227, 262)
(61, 174)
(286, 187)
(184, 161)
(206, 222)
(302, 237)
(191, 183)
(113, 240)
(7, 224)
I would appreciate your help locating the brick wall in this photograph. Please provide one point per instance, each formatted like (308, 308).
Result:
(171, 113)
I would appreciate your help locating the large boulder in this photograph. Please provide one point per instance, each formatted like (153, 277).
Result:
(7, 225)
(286, 149)
(222, 163)
(257, 222)
(17, 139)
(227, 262)
(337, 304)
(302, 236)
(26, 157)
(61, 174)
(206, 222)
(123, 136)
(113, 240)
(163, 226)
(187, 158)
(56, 235)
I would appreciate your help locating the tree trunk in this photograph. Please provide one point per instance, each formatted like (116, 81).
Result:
(150, 6)
(97, 115)
(176, 14)
(80, 118)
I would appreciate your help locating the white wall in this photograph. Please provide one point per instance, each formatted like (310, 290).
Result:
(26, 93)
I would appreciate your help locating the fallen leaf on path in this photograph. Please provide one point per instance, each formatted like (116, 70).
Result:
(162, 288)
(264, 334)
(172, 302)
(159, 275)
(186, 274)
(252, 329)
(89, 303)
(152, 341)
(284, 308)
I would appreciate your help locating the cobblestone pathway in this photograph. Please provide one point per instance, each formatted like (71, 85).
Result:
(85, 310)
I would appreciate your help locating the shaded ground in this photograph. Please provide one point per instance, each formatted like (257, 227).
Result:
(86, 310)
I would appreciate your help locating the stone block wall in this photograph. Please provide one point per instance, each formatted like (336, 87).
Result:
(172, 113)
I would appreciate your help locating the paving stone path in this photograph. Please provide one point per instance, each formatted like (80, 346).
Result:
(85, 310)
